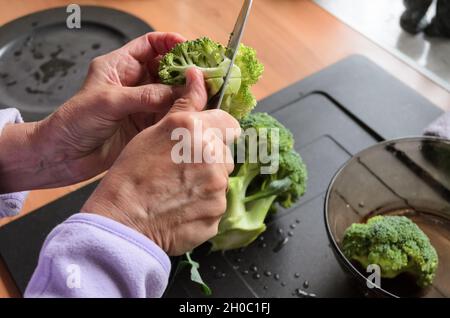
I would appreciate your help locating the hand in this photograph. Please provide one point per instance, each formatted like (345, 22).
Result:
(119, 98)
(178, 206)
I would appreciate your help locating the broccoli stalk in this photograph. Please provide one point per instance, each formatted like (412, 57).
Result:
(396, 244)
(252, 195)
(244, 219)
(210, 58)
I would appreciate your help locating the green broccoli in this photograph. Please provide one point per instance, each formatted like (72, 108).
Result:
(252, 195)
(210, 57)
(396, 244)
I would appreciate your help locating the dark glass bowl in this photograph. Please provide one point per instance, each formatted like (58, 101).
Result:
(409, 177)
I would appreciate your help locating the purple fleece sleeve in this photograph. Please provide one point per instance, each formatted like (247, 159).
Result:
(92, 256)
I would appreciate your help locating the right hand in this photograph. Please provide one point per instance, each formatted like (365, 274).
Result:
(178, 206)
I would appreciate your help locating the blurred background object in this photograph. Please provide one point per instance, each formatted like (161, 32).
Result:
(413, 19)
(396, 26)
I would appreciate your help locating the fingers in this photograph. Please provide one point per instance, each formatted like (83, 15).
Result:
(151, 45)
(137, 61)
(195, 96)
(148, 48)
(152, 98)
(162, 46)
(227, 125)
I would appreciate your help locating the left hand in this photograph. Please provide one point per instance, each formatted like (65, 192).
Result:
(120, 98)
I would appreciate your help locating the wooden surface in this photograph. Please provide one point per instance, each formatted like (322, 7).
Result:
(294, 38)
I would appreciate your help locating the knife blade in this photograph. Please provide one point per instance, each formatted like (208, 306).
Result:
(232, 49)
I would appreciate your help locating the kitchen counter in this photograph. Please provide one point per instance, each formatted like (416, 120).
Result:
(294, 38)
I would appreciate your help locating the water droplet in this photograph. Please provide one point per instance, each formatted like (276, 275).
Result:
(293, 226)
(245, 272)
(347, 205)
(238, 260)
(268, 273)
(305, 284)
(265, 288)
(361, 204)
(242, 250)
(290, 233)
(236, 267)
(280, 231)
(261, 238)
(254, 268)
(283, 284)
(263, 245)
(276, 276)
(301, 293)
(296, 275)
(256, 276)
(219, 275)
(213, 268)
(281, 244)
(297, 221)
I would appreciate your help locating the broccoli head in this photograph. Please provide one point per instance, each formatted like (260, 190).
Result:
(396, 244)
(252, 194)
(210, 58)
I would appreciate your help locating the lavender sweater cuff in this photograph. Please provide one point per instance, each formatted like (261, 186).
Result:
(92, 256)
(10, 204)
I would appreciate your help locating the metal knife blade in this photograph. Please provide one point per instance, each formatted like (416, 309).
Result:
(232, 49)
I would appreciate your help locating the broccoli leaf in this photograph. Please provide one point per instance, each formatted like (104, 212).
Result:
(195, 273)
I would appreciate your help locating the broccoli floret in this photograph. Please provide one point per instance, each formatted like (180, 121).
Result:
(396, 244)
(252, 195)
(210, 57)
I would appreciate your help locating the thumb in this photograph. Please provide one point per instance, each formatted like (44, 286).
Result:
(195, 96)
(151, 98)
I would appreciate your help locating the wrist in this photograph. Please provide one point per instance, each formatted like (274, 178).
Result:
(115, 198)
(18, 156)
(27, 160)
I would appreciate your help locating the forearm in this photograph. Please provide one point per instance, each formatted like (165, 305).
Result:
(27, 163)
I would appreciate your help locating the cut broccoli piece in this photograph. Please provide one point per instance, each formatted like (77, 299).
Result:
(252, 195)
(210, 58)
(396, 244)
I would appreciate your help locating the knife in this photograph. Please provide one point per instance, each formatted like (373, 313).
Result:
(232, 49)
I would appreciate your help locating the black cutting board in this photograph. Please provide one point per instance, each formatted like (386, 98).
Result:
(333, 114)
(43, 62)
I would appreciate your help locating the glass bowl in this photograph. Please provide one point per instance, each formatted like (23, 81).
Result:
(410, 177)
